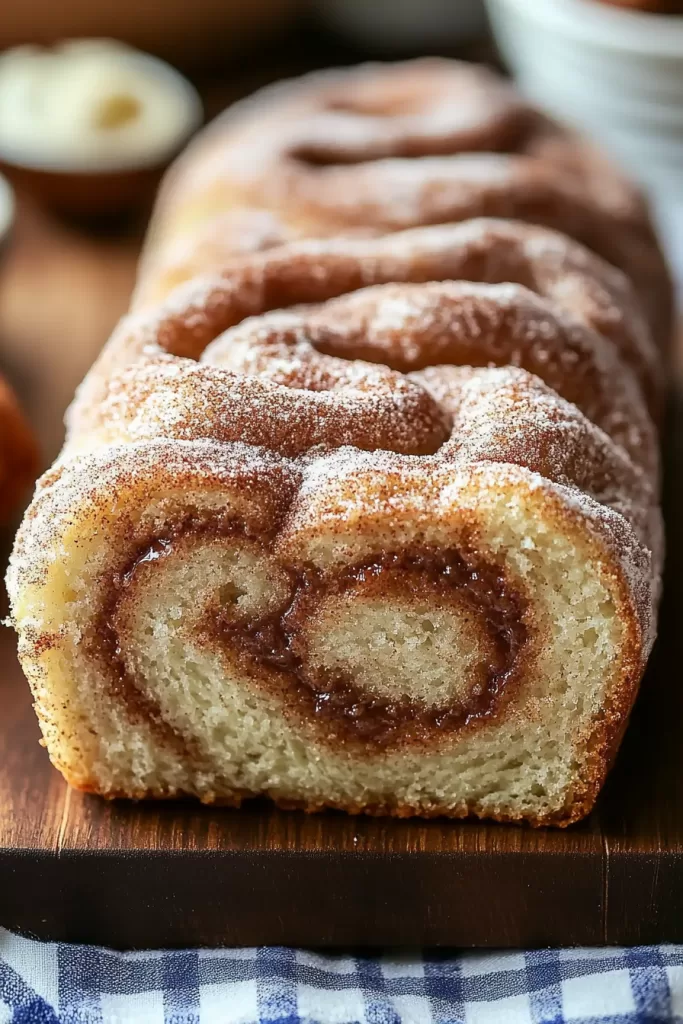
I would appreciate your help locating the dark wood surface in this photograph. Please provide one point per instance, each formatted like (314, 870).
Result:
(73, 867)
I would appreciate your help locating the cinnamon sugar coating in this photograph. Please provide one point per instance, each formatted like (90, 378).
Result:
(485, 251)
(382, 148)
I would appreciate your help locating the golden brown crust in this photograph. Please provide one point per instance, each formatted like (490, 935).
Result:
(581, 805)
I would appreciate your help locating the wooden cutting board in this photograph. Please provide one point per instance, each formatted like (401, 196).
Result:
(75, 868)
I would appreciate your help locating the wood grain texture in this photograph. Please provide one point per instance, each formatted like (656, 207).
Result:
(76, 868)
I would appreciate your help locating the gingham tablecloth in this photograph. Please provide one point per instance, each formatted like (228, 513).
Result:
(48, 983)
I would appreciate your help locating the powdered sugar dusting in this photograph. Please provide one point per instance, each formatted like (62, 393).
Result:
(386, 148)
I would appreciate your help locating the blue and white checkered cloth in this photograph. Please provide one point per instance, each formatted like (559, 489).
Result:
(43, 983)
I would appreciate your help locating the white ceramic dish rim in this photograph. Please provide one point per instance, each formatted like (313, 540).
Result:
(640, 32)
(109, 165)
(7, 207)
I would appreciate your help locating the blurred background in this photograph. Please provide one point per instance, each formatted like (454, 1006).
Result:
(69, 249)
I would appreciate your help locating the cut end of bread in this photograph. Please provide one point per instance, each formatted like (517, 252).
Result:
(468, 647)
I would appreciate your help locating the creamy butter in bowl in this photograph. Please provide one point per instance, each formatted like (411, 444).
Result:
(90, 124)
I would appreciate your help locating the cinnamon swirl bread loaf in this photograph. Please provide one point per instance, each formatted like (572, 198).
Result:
(366, 523)
(382, 148)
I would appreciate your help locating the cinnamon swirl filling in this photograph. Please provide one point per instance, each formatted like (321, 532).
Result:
(453, 610)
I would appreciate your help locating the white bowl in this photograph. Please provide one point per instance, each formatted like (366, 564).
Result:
(617, 74)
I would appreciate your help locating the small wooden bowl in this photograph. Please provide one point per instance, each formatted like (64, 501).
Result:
(88, 193)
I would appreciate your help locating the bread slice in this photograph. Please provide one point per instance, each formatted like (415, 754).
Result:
(450, 634)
